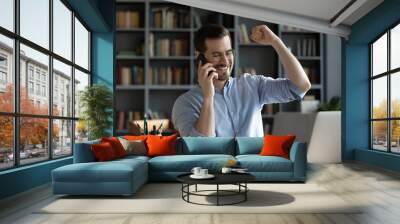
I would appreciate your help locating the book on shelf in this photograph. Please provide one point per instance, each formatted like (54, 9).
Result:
(170, 18)
(286, 28)
(196, 20)
(168, 76)
(124, 117)
(168, 47)
(133, 75)
(268, 109)
(243, 34)
(306, 47)
(311, 74)
(128, 19)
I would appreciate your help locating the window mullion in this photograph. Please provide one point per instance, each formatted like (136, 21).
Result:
(16, 84)
(73, 82)
(50, 81)
(389, 106)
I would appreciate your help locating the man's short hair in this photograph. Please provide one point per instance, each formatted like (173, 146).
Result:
(209, 31)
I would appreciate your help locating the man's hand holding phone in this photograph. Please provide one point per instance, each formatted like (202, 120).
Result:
(206, 73)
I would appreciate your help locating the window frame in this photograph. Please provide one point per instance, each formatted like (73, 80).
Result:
(388, 74)
(16, 114)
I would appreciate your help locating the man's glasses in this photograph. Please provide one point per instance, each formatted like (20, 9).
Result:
(218, 56)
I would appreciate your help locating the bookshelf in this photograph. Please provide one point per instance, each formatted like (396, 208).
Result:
(154, 45)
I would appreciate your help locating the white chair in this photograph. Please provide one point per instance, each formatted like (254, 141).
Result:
(325, 142)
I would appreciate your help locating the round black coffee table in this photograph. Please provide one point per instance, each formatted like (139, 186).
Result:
(238, 179)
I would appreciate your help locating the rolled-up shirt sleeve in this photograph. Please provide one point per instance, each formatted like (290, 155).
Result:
(280, 90)
(185, 116)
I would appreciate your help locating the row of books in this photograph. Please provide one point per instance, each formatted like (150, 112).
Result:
(168, 76)
(128, 19)
(125, 117)
(305, 47)
(168, 47)
(312, 74)
(286, 28)
(268, 109)
(170, 18)
(133, 75)
(243, 34)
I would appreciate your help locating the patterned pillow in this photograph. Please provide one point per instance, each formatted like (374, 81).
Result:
(134, 147)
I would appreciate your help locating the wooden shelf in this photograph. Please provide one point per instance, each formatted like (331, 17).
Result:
(121, 30)
(253, 45)
(171, 58)
(298, 32)
(308, 58)
(267, 115)
(170, 87)
(129, 57)
(130, 87)
(177, 30)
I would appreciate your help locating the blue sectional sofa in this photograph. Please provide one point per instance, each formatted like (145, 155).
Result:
(125, 176)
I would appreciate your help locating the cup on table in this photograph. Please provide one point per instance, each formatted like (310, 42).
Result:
(203, 172)
(196, 171)
(226, 170)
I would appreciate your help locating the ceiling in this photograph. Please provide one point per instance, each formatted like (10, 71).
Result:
(325, 16)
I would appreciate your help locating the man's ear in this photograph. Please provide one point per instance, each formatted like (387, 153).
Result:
(196, 54)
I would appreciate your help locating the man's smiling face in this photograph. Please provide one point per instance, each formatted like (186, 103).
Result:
(220, 53)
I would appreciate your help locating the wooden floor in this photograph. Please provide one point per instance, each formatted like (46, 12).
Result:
(379, 189)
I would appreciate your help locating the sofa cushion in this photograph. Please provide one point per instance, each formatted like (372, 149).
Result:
(161, 145)
(185, 163)
(83, 152)
(116, 145)
(277, 145)
(257, 163)
(103, 151)
(112, 171)
(248, 145)
(207, 145)
(134, 147)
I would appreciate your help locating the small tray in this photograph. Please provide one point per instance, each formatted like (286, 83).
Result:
(208, 176)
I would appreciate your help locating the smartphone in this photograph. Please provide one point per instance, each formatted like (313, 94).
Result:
(203, 60)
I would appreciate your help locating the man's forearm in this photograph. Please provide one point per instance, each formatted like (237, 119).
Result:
(206, 123)
(292, 66)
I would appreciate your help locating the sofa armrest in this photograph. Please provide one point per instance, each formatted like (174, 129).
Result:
(298, 155)
(83, 152)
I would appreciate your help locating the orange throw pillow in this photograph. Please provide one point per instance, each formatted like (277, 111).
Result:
(275, 145)
(116, 145)
(135, 137)
(161, 145)
(103, 151)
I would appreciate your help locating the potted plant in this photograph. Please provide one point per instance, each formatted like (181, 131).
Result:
(96, 104)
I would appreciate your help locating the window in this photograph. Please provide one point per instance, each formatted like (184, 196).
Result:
(37, 89)
(3, 72)
(3, 79)
(30, 87)
(34, 22)
(30, 72)
(45, 131)
(7, 14)
(385, 91)
(81, 45)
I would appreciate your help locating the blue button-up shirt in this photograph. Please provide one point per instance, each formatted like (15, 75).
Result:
(237, 108)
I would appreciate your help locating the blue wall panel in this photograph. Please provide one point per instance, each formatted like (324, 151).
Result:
(356, 87)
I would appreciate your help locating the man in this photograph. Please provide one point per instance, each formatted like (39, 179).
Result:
(224, 106)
